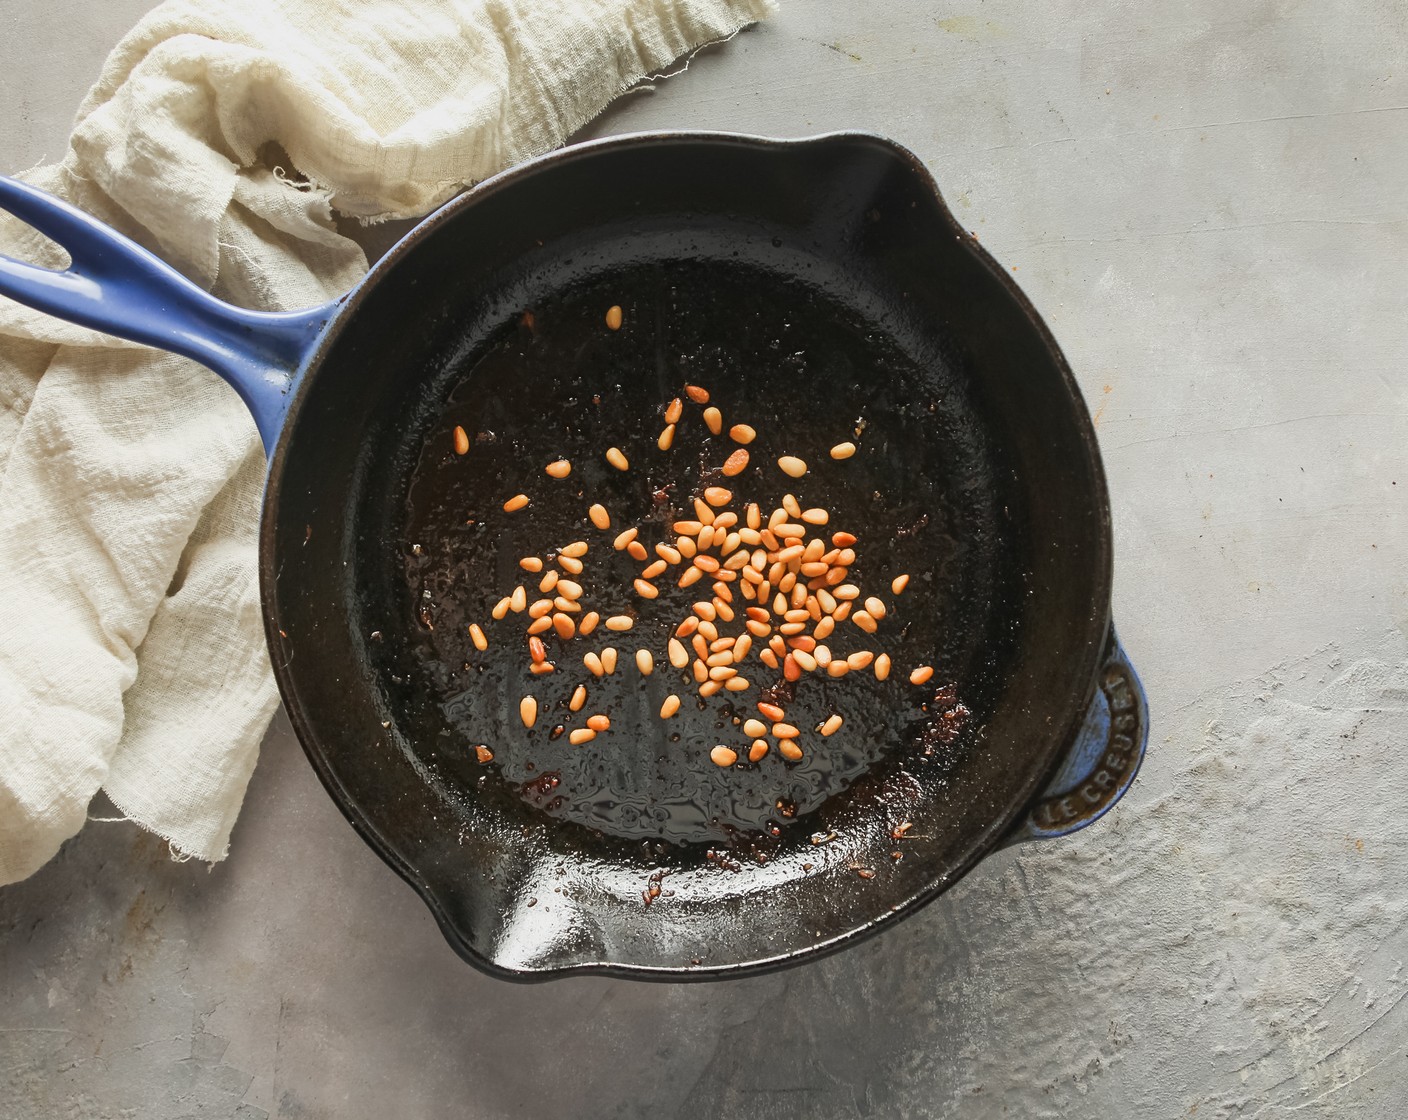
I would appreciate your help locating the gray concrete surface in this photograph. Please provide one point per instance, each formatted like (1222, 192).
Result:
(1207, 201)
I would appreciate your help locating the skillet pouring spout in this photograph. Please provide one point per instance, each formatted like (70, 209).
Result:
(823, 292)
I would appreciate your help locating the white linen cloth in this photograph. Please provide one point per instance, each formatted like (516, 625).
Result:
(223, 135)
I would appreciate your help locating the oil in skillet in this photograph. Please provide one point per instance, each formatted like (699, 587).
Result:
(556, 385)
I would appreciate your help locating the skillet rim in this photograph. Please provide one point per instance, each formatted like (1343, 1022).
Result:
(1097, 636)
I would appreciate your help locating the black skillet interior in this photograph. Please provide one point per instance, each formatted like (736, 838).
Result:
(820, 293)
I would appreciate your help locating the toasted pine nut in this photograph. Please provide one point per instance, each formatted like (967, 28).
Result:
(921, 674)
(843, 451)
(718, 496)
(620, 622)
(531, 564)
(501, 607)
(569, 590)
(703, 511)
(688, 528)
(575, 550)
(837, 669)
(882, 667)
(461, 440)
(691, 575)
(864, 620)
(667, 438)
(536, 650)
(772, 711)
(599, 722)
(593, 664)
(860, 659)
(784, 731)
(670, 706)
(714, 418)
(723, 756)
(617, 458)
(846, 591)
(549, 581)
(645, 662)
(875, 607)
(564, 625)
(768, 658)
(742, 433)
(673, 411)
(579, 697)
(706, 611)
(696, 394)
(540, 625)
(636, 551)
(602, 520)
(789, 750)
(569, 564)
(588, 623)
(832, 725)
(899, 583)
(654, 570)
(517, 502)
(476, 635)
(709, 688)
(757, 750)
(608, 659)
(528, 711)
(559, 468)
(645, 589)
(579, 735)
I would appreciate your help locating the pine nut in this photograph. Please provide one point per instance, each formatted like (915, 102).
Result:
(667, 438)
(784, 731)
(566, 605)
(882, 667)
(822, 654)
(620, 622)
(804, 659)
(757, 750)
(688, 528)
(608, 659)
(636, 551)
(570, 564)
(710, 688)
(789, 750)
(837, 669)
(569, 590)
(531, 564)
(588, 623)
(575, 550)
(772, 711)
(673, 411)
(791, 669)
(679, 656)
(645, 590)
(736, 684)
(483, 753)
(865, 621)
(579, 697)
(768, 658)
(696, 394)
(645, 662)
(476, 635)
(860, 659)
(921, 675)
(518, 600)
(528, 711)
(792, 466)
(742, 433)
(847, 591)
(832, 725)
(593, 664)
(461, 440)
(501, 607)
(517, 502)
(559, 468)
(599, 722)
(843, 540)
(623, 538)
(718, 496)
(536, 650)
(540, 625)
(714, 419)
(579, 735)
(654, 570)
(549, 581)
(875, 607)
(613, 318)
(564, 626)
(670, 706)
(617, 458)
(899, 583)
(723, 756)
(843, 451)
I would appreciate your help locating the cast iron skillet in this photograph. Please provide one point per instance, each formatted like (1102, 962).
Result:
(818, 289)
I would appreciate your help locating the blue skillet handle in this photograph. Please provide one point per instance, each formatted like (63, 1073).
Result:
(1102, 761)
(114, 285)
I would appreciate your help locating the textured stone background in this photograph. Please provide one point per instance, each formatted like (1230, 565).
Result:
(1208, 203)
